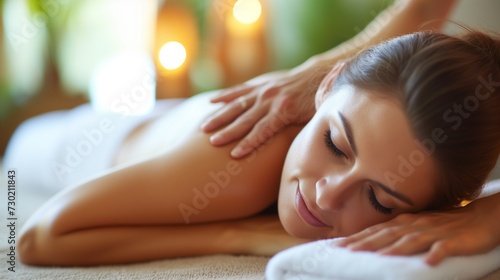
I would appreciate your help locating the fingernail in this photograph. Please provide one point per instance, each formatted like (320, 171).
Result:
(206, 126)
(237, 152)
(216, 139)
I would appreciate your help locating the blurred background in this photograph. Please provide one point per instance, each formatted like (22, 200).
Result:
(57, 54)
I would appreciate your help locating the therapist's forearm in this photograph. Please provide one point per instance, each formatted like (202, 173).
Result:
(403, 17)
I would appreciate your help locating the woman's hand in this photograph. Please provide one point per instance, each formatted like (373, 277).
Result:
(262, 107)
(468, 230)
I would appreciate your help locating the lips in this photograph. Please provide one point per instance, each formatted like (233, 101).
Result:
(305, 214)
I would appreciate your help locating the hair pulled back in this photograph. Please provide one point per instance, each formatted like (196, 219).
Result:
(450, 89)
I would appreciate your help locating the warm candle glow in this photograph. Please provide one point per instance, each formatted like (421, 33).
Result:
(172, 55)
(247, 11)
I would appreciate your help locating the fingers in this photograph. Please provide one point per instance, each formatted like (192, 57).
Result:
(231, 94)
(240, 125)
(357, 237)
(403, 240)
(457, 245)
(396, 237)
(377, 240)
(399, 243)
(442, 249)
(225, 115)
(459, 231)
(409, 244)
(436, 254)
(264, 130)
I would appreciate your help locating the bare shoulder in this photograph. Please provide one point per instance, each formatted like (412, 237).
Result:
(217, 187)
(172, 128)
(179, 125)
(188, 181)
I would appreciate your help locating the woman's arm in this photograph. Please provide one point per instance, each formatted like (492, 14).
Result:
(259, 235)
(177, 204)
(292, 92)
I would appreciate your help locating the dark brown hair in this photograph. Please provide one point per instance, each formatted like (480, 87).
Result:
(447, 83)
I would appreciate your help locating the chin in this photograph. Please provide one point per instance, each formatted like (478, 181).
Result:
(295, 230)
(289, 217)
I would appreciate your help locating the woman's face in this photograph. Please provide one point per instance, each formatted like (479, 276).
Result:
(355, 164)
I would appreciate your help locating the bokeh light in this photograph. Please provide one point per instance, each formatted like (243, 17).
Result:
(247, 11)
(172, 55)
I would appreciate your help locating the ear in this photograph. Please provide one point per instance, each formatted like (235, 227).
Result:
(327, 83)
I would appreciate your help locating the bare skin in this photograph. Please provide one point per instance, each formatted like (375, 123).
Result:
(293, 91)
(189, 198)
(79, 226)
(439, 234)
(463, 231)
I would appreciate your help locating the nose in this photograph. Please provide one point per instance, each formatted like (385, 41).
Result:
(333, 192)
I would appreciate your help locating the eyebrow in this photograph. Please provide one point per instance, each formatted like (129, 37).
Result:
(348, 132)
(350, 139)
(395, 194)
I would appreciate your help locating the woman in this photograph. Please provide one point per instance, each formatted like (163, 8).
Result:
(406, 126)
(445, 233)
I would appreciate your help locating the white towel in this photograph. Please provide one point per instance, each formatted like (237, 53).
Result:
(320, 260)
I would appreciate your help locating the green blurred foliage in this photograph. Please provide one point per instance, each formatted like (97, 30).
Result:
(5, 98)
(6, 101)
(296, 29)
(299, 29)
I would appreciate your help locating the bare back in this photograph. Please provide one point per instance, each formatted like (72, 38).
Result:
(172, 175)
(202, 183)
(170, 194)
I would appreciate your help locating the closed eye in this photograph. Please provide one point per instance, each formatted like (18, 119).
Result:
(331, 146)
(374, 202)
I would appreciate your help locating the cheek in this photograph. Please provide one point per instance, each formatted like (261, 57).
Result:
(307, 147)
(355, 217)
(286, 210)
(287, 213)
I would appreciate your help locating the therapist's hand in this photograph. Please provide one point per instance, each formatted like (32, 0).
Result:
(261, 107)
(468, 230)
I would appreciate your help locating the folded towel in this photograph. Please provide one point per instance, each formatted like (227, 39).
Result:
(320, 260)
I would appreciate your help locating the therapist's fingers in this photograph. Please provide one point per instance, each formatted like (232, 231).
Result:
(239, 126)
(279, 113)
(264, 130)
(230, 94)
(227, 114)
